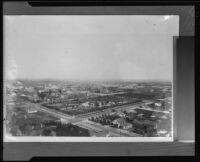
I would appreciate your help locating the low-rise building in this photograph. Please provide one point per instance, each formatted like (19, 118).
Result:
(85, 104)
(121, 114)
(158, 104)
(144, 126)
(121, 122)
(131, 115)
(31, 110)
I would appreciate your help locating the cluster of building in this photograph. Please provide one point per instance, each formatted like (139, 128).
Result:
(143, 123)
(83, 97)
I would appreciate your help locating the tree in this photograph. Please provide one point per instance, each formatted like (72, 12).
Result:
(14, 130)
(125, 112)
(46, 132)
(115, 125)
(96, 104)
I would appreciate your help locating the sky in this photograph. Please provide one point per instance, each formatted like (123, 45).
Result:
(93, 47)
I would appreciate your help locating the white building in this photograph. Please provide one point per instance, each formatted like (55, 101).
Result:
(158, 104)
(31, 110)
(121, 122)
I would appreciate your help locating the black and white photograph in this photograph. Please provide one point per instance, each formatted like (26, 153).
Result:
(106, 78)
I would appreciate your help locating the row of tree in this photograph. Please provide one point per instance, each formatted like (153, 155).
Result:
(105, 119)
(61, 129)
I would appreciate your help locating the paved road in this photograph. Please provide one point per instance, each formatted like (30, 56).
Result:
(106, 129)
(97, 113)
(165, 112)
(79, 117)
(55, 113)
(80, 121)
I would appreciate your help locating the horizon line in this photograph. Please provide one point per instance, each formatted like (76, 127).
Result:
(100, 80)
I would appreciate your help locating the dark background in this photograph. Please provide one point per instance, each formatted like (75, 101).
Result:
(183, 89)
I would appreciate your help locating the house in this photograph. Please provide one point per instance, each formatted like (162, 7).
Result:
(158, 104)
(91, 104)
(31, 110)
(152, 124)
(138, 127)
(100, 103)
(109, 103)
(121, 122)
(131, 111)
(113, 113)
(131, 115)
(85, 104)
(140, 115)
(121, 114)
(148, 102)
(144, 126)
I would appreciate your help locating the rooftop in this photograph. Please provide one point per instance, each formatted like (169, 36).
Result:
(122, 121)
